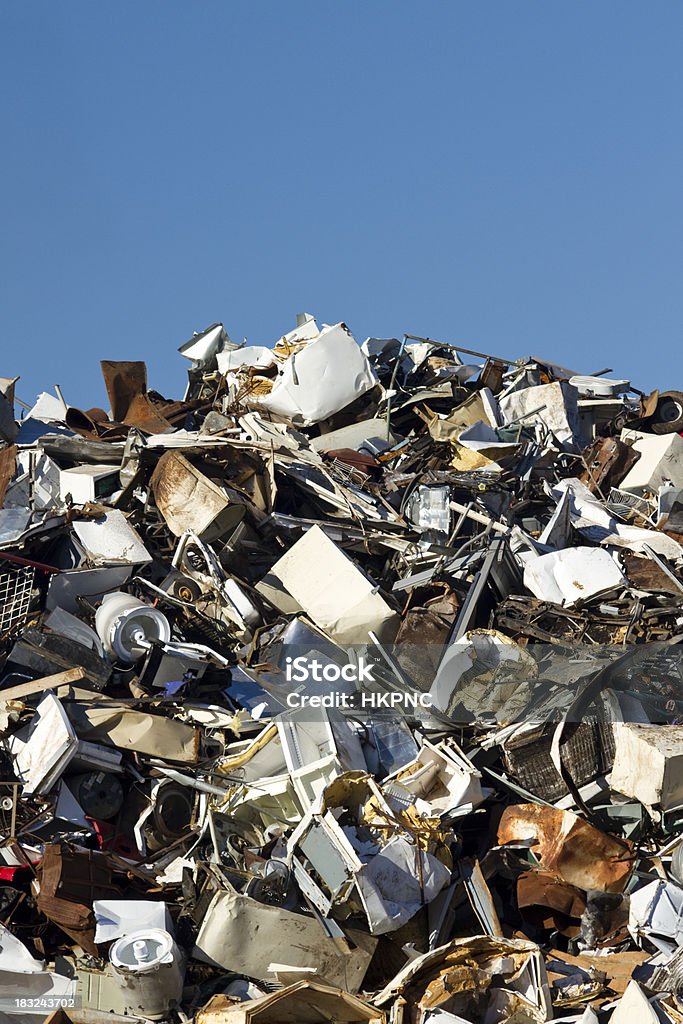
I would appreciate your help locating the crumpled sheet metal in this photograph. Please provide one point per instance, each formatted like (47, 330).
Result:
(242, 935)
(188, 500)
(576, 851)
(126, 384)
(129, 729)
(302, 1001)
(317, 376)
(548, 900)
(474, 975)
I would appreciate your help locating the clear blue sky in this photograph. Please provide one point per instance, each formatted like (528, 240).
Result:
(507, 175)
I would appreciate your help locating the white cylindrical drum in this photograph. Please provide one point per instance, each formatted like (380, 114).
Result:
(149, 969)
(126, 625)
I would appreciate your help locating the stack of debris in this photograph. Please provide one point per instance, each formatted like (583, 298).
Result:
(343, 689)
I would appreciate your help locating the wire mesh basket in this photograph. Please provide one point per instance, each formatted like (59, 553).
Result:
(16, 589)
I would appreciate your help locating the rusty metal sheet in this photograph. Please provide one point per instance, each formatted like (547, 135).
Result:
(492, 375)
(75, 919)
(421, 636)
(124, 381)
(8, 466)
(189, 500)
(126, 384)
(618, 967)
(94, 425)
(79, 421)
(359, 460)
(644, 574)
(607, 462)
(69, 881)
(142, 414)
(549, 902)
(567, 845)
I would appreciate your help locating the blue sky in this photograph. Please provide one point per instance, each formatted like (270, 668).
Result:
(503, 175)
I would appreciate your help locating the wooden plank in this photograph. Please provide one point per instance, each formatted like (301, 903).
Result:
(71, 675)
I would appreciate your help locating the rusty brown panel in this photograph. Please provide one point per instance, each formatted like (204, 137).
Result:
(69, 881)
(423, 632)
(359, 460)
(75, 874)
(546, 889)
(645, 574)
(422, 627)
(8, 466)
(567, 845)
(76, 920)
(618, 967)
(173, 412)
(492, 375)
(141, 413)
(420, 642)
(123, 381)
(607, 460)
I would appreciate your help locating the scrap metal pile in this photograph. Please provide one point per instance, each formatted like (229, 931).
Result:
(345, 688)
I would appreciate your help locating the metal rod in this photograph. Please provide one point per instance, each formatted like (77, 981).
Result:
(459, 348)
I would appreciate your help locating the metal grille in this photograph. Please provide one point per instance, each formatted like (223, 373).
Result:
(348, 474)
(588, 752)
(622, 502)
(16, 586)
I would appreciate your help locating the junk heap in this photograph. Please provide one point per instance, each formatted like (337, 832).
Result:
(346, 688)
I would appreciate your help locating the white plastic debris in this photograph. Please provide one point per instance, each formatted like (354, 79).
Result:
(572, 575)
(332, 591)
(51, 743)
(660, 462)
(322, 375)
(648, 764)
